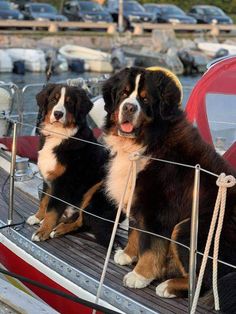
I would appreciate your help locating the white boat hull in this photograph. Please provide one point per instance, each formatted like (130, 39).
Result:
(95, 60)
(6, 64)
(34, 59)
(211, 49)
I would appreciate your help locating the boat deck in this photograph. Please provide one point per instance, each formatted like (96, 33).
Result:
(78, 258)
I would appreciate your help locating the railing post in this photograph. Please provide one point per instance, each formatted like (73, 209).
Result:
(121, 17)
(193, 238)
(12, 174)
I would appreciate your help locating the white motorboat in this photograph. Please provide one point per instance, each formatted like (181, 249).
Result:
(6, 64)
(95, 60)
(211, 49)
(34, 59)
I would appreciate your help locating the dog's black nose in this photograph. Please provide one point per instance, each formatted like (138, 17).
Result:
(130, 108)
(58, 115)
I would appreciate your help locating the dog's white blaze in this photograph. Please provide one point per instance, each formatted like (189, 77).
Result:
(133, 100)
(46, 158)
(119, 166)
(60, 106)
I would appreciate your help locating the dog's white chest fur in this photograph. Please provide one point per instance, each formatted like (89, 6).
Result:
(47, 159)
(119, 168)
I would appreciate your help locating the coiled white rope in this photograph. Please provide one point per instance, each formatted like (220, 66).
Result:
(223, 182)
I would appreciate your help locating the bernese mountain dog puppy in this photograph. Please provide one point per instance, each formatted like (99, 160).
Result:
(144, 115)
(71, 167)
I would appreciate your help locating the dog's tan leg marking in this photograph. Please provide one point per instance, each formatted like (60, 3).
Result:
(175, 265)
(171, 288)
(151, 265)
(49, 222)
(39, 215)
(64, 228)
(130, 252)
(57, 172)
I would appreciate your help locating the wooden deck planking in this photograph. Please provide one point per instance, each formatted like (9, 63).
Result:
(81, 253)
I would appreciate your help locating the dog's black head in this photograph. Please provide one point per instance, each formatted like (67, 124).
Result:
(62, 105)
(137, 98)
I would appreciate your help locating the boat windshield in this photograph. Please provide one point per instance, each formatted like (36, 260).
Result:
(90, 7)
(221, 113)
(133, 7)
(213, 12)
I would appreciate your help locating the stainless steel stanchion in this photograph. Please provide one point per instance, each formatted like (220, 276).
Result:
(12, 174)
(193, 238)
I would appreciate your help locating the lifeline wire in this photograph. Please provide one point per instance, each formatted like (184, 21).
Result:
(101, 145)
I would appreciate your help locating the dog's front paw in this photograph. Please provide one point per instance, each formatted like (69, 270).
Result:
(40, 235)
(134, 280)
(121, 258)
(162, 290)
(33, 220)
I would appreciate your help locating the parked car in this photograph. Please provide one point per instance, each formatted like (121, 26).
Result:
(19, 4)
(7, 12)
(41, 12)
(208, 13)
(132, 12)
(85, 11)
(168, 13)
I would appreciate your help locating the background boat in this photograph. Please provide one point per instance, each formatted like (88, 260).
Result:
(95, 60)
(34, 59)
(211, 49)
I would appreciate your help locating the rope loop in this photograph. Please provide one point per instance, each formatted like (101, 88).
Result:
(223, 182)
(226, 181)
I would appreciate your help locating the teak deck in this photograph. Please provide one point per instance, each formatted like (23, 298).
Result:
(88, 257)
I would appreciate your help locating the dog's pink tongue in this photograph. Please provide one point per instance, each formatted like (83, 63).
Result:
(127, 127)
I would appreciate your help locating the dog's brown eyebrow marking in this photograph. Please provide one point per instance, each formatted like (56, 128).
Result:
(67, 98)
(143, 93)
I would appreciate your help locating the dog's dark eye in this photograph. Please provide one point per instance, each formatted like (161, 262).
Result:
(53, 101)
(125, 93)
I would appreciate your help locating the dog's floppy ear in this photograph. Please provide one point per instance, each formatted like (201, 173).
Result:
(43, 95)
(169, 90)
(111, 87)
(42, 98)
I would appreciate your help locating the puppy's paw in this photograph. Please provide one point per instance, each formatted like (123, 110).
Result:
(162, 290)
(32, 220)
(121, 258)
(40, 235)
(134, 280)
(60, 230)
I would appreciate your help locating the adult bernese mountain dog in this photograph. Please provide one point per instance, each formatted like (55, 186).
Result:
(72, 168)
(144, 115)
